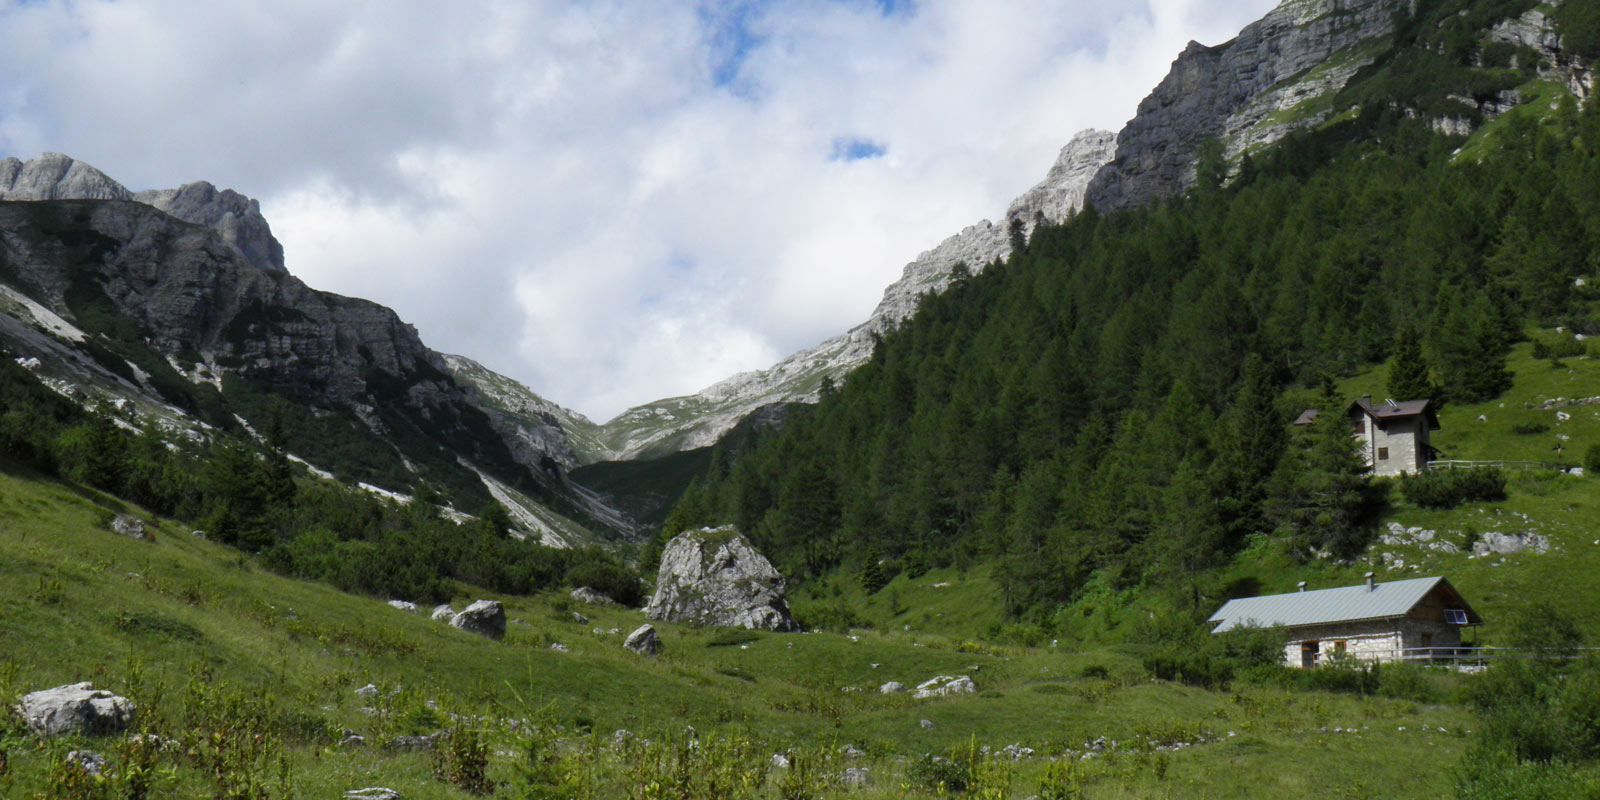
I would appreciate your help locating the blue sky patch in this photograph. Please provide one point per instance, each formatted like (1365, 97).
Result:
(854, 149)
(731, 38)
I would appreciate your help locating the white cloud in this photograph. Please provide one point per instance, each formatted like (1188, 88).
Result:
(562, 190)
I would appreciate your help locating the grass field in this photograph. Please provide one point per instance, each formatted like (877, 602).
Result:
(217, 651)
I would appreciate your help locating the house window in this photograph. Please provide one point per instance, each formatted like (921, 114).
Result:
(1339, 647)
(1383, 453)
(1455, 616)
(1358, 425)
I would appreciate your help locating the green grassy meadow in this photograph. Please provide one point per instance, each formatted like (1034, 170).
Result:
(254, 676)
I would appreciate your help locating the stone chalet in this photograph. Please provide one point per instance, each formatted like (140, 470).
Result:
(1398, 620)
(1393, 435)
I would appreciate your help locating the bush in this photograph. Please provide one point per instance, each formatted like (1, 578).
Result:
(1450, 488)
(1591, 459)
(610, 579)
(1530, 429)
(1209, 661)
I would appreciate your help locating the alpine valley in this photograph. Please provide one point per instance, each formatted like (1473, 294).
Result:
(298, 553)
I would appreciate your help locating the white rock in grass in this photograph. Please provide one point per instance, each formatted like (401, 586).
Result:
(76, 708)
(409, 608)
(944, 686)
(892, 687)
(644, 641)
(584, 594)
(442, 613)
(373, 793)
(485, 618)
(91, 762)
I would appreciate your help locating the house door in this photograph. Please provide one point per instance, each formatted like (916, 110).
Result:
(1308, 654)
(1427, 646)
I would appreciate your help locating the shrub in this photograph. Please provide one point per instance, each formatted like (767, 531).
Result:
(1529, 429)
(463, 761)
(1591, 459)
(610, 579)
(1450, 488)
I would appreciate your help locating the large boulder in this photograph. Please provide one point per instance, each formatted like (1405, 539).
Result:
(644, 641)
(442, 613)
(485, 618)
(77, 708)
(712, 576)
(944, 686)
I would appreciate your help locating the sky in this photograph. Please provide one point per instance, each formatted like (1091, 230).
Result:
(612, 201)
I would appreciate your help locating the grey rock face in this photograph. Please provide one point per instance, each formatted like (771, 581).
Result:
(232, 215)
(643, 641)
(712, 576)
(442, 613)
(1233, 91)
(892, 687)
(485, 618)
(77, 708)
(53, 176)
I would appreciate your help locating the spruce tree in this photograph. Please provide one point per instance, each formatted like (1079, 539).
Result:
(1408, 375)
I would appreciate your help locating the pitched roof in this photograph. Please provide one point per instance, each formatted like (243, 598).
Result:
(1390, 409)
(1343, 604)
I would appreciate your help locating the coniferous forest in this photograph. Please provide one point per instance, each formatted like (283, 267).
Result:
(1110, 406)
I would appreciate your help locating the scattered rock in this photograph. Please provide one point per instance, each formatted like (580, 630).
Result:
(780, 761)
(353, 740)
(943, 686)
(1507, 544)
(713, 576)
(198, 534)
(409, 608)
(485, 618)
(584, 594)
(413, 742)
(373, 793)
(579, 618)
(1562, 416)
(854, 776)
(77, 708)
(1576, 472)
(892, 687)
(130, 526)
(926, 724)
(91, 762)
(442, 613)
(644, 641)
(559, 648)
(1483, 418)
(851, 751)
(369, 690)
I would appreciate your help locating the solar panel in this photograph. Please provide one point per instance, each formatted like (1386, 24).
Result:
(1455, 616)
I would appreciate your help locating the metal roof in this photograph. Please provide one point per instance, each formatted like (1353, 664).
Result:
(1343, 604)
(1390, 409)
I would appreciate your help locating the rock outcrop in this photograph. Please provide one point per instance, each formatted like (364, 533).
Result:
(53, 176)
(1241, 93)
(232, 215)
(130, 526)
(644, 641)
(76, 708)
(485, 618)
(712, 576)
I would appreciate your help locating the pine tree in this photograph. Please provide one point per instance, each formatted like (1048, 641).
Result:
(1320, 491)
(1408, 375)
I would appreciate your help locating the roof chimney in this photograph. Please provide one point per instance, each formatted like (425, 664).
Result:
(1301, 585)
(1370, 584)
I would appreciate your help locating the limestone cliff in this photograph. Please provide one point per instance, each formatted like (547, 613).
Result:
(1247, 93)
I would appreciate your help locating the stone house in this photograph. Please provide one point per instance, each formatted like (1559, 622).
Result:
(1393, 435)
(1417, 619)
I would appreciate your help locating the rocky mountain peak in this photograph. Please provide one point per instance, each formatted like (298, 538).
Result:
(53, 176)
(1247, 93)
(235, 216)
